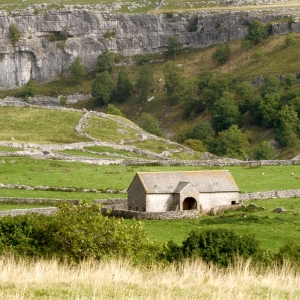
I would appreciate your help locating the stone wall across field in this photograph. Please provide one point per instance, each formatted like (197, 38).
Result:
(17, 212)
(269, 195)
(118, 207)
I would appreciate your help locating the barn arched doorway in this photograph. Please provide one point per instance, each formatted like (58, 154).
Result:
(189, 203)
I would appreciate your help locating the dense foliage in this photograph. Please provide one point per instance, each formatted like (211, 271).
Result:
(105, 61)
(74, 233)
(150, 124)
(77, 70)
(81, 232)
(274, 103)
(102, 87)
(222, 53)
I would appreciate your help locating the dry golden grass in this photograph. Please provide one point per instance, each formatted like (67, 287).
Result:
(119, 280)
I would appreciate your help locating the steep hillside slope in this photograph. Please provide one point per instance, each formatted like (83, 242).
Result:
(49, 41)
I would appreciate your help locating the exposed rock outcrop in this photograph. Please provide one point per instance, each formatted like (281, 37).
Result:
(89, 33)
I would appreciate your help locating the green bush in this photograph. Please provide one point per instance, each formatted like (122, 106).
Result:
(219, 246)
(150, 124)
(77, 70)
(58, 36)
(196, 145)
(28, 90)
(289, 252)
(221, 55)
(110, 34)
(76, 233)
(63, 101)
(14, 34)
(113, 110)
(264, 150)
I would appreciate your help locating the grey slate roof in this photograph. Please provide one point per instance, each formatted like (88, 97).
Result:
(203, 181)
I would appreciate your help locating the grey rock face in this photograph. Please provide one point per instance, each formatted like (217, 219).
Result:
(91, 32)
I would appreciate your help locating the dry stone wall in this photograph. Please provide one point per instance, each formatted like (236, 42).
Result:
(90, 32)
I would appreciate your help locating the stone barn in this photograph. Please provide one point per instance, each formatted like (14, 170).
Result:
(173, 191)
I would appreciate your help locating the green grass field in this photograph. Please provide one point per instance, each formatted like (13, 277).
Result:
(34, 172)
(39, 125)
(273, 230)
(56, 4)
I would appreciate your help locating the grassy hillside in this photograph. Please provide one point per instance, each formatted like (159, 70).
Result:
(279, 59)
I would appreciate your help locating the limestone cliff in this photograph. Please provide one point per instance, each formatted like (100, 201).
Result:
(90, 32)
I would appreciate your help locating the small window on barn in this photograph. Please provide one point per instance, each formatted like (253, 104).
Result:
(136, 208)
(233, 202)
(129, 207)
(144, 209)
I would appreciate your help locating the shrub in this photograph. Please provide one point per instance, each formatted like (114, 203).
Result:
(14, 34)
(58, 35)
(76, 233)
(150, 124)
(77, 70)
(264, 151)
(289, 252)
(63, 101)
(192, 26)
(28, 90)
(173, 46)
(110, 34)
(112, 110)
(219, 246)
(221, 55)
(196, 145)
(256, 32)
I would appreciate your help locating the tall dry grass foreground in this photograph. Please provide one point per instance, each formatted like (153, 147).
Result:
(119, 280)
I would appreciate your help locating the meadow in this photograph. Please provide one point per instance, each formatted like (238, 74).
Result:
(38, 279)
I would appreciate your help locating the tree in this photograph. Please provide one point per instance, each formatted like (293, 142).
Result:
(14, 34)
(232, 143)
(221, 55)
(145, 81)
(245, 92)
(112, 110)
(174, 82)
(264, 151)
(102, 87)
(150, 124)
(270, 85)
(214, 90)
(268, 108)
(289, 40)
(256, 32)
(289, 80)
(204, 79)
(205, 133)
(77, 70)
(105, 61)
(173, 46)
(225, 112)
(287, 126)
(246, 46)
(124, 87)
